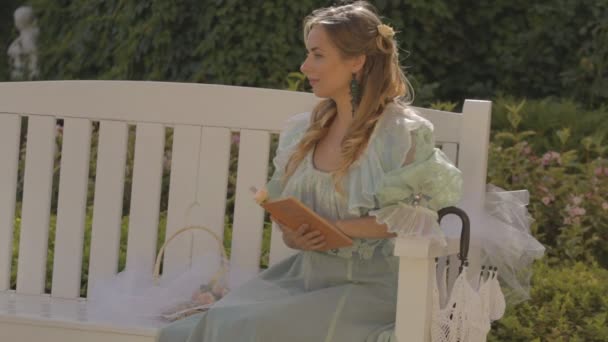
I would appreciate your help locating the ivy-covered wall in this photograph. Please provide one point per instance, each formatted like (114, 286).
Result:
(457, 49)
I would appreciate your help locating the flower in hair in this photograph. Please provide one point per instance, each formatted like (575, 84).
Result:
(386, 31)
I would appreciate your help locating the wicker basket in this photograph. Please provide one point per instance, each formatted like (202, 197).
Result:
(186, 309)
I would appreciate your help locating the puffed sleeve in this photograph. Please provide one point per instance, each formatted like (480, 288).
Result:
(289, 137)
(418, 180)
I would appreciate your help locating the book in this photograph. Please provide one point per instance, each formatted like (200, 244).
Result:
(292, 213)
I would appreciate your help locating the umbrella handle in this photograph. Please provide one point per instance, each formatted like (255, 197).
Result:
(465, 235)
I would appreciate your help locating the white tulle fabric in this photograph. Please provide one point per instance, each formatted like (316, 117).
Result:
(133, 297)
(506, 241)
(465, 313)
(407, 220)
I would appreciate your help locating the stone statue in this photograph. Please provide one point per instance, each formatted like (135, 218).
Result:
(23, 53)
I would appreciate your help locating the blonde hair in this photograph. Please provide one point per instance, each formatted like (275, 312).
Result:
(353, 28)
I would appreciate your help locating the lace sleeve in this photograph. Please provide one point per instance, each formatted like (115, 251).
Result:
(409, 196)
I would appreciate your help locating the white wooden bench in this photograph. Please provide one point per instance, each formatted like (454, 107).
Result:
(203, 117)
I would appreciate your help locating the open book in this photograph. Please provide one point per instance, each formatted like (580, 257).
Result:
(293, 213)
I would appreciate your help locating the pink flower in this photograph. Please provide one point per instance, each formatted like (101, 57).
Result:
(605, 205)
(546, 159)
(527, 150)
(546, 200)
(576, 211)
(557, 157)
(577, 200)
(601, 170)
(567, 220)
(551, 156)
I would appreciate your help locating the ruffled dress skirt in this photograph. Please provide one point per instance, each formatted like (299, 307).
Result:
(309, 297)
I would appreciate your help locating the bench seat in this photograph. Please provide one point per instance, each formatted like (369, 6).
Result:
(42, 317)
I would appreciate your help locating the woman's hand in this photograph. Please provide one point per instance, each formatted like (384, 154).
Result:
(302, 238)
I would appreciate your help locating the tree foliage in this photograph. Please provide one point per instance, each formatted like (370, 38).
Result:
(454, 49)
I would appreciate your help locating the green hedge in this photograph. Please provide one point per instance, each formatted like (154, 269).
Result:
(458, 49)
(568, 304)
(547, 116)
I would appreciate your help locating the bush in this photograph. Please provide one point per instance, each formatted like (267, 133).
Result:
(567, 189)
(549, 115)
(568, 303)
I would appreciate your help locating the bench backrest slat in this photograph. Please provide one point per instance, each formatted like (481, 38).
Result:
(71, 210)
(145, 196)
(197, 193)
(10, 127)
(108, 201)
(36, 208)
(247, 227)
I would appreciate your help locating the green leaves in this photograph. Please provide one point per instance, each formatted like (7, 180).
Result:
(295, 81)
(563, 135)
(514, 114)
(560, 124)
(445, 106)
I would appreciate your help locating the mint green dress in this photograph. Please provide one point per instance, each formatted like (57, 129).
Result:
(347, 294)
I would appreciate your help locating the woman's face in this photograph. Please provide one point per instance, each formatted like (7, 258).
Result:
(327, 71)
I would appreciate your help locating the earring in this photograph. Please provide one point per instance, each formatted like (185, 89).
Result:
(355, 93)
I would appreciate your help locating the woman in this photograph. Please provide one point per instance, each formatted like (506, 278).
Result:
(363, 159)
